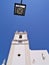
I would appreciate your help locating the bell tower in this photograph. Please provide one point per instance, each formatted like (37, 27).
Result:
(19, 52)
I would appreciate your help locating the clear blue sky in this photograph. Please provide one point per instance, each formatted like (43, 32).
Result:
(35, 22)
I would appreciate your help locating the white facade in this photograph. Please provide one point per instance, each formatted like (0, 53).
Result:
(20, 54)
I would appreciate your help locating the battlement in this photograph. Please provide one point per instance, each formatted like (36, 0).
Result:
(20, 37)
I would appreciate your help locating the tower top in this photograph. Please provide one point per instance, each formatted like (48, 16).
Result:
(20, 37)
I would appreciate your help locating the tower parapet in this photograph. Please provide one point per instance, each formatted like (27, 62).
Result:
(20, 38)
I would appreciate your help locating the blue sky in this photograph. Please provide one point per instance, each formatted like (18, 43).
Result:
(35, 22)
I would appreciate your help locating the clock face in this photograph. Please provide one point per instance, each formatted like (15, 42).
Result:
(19, 9)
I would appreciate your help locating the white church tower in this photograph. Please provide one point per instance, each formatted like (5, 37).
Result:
(20, 54)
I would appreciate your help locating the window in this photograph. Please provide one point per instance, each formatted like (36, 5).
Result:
(20, 36)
